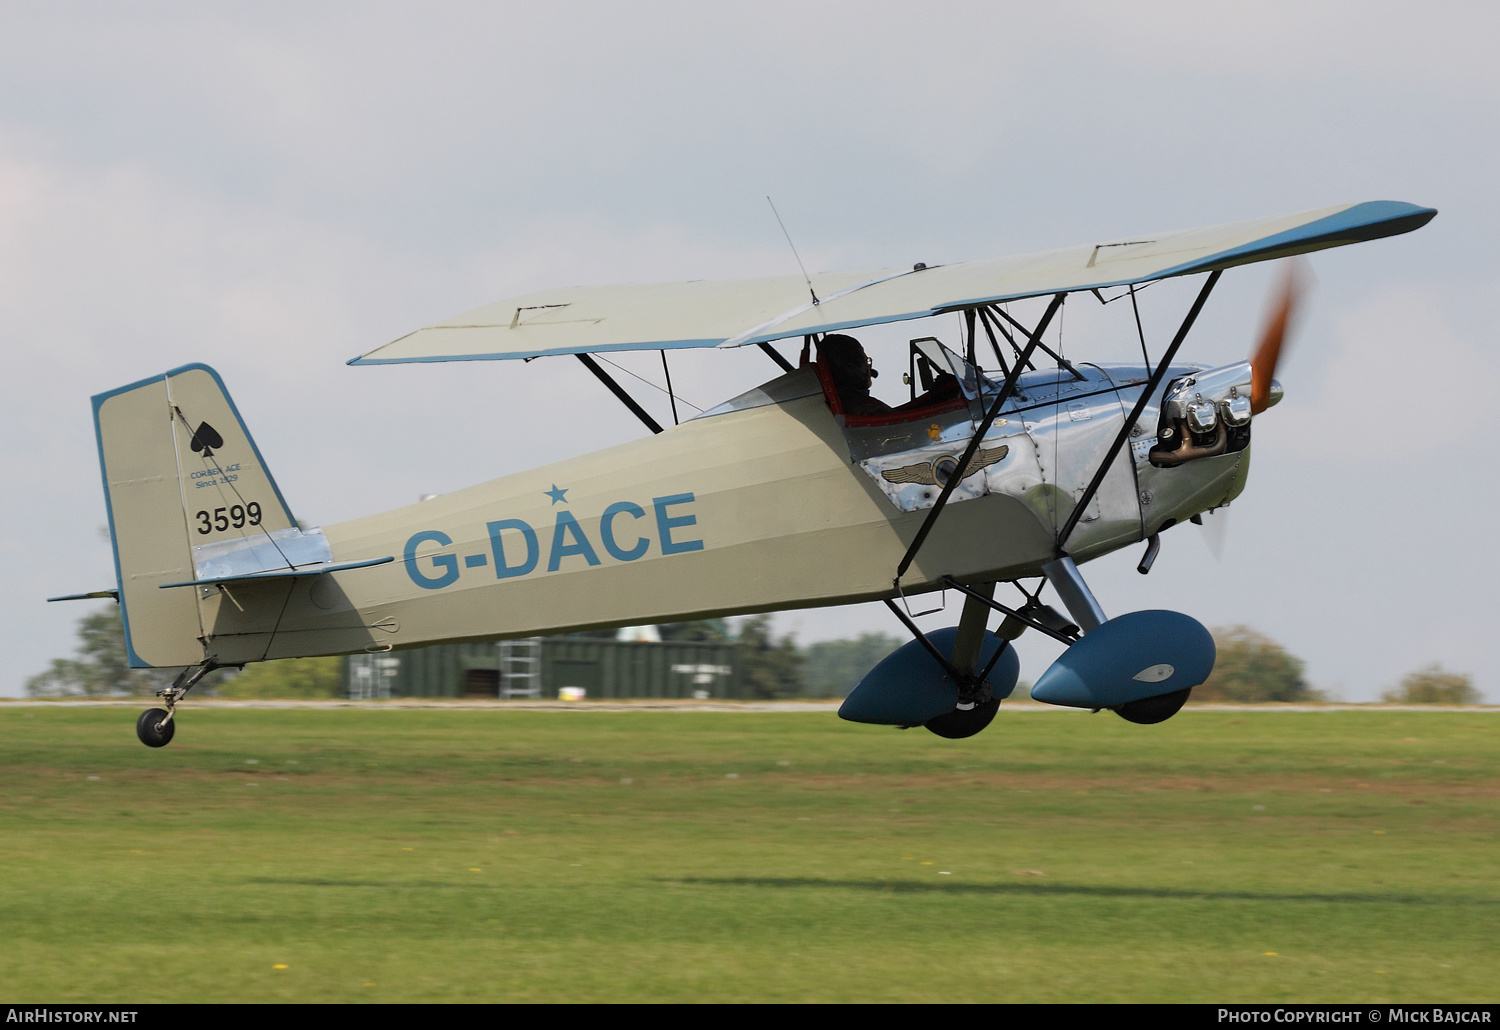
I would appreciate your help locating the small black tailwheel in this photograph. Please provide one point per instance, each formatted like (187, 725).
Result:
(1150, 710)
(958, 724)
(150, 729)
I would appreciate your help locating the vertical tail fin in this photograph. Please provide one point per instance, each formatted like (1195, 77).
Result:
(180, 471)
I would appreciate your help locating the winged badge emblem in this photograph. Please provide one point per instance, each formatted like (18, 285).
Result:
(937, 471)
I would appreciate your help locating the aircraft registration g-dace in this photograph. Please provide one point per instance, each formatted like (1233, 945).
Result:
(802, 492)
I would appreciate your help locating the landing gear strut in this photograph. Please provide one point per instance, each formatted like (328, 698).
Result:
(155, 727)
(977, 702)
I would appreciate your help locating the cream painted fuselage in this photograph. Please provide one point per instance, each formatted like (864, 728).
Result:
(766, 503)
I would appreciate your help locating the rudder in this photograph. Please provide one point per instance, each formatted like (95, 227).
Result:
(180, 471)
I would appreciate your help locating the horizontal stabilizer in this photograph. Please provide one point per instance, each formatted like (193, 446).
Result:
(113, 595)
(282, 573)
(286, 553)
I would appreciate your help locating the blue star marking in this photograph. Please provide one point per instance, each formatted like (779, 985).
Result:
(556, 494)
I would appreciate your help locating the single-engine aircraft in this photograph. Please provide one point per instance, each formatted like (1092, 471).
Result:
(1009, 464)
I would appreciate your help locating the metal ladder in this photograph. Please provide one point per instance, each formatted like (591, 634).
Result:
(521, 668)
(371, 676)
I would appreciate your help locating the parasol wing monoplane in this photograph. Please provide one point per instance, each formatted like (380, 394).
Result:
(1008, 464)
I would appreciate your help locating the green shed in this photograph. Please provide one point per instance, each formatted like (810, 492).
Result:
(541, 666)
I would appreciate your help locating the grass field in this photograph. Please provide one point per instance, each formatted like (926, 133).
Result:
(489, 855)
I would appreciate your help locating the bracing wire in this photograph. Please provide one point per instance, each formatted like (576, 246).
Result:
(654, 386)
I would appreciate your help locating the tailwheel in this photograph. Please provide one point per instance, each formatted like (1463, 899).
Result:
(961, 723)
(1150, 710)
(155, 727)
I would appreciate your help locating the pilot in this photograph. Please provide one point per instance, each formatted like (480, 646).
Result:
(852, 371)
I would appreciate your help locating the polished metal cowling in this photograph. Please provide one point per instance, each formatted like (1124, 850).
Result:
(1218, 387)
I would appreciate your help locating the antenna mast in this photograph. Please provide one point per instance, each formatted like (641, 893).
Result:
(806, 278)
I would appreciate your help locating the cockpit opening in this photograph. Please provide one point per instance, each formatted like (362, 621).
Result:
(948, 383)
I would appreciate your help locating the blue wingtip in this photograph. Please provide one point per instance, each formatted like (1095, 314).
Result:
(1385, 212)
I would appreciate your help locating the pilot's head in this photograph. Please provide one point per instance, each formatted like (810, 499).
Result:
(847, 362)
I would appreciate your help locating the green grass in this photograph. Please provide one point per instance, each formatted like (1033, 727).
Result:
(485, 855)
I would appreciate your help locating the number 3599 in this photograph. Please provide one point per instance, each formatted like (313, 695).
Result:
(237, 515)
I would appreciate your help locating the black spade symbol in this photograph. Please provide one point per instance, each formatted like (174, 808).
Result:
(206, 439)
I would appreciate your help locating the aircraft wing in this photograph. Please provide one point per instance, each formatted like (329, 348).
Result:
(731, 313)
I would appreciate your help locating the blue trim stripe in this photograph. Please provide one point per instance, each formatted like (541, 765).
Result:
(601, 349)
(836, 327)
(1372, 220)
(1358, 223)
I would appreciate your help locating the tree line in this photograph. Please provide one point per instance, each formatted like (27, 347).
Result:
(1250, 668)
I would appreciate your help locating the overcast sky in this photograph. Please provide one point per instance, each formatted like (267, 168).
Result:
(273, 189)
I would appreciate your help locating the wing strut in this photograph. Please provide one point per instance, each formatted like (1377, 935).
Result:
(619, 391)
(989, 331)
(1135, 413)
(1021, 616)
(984, 427)
(1145, 358)
(965, 680)
(921, 638)
(670, 395)
(1062, 362)
(775, 355)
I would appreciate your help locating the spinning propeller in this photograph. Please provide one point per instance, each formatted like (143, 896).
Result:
(1295, 278)
(1281, 318)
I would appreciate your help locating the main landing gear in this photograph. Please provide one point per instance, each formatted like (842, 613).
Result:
(1142, 665)
(951, 680)
(155, 727)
